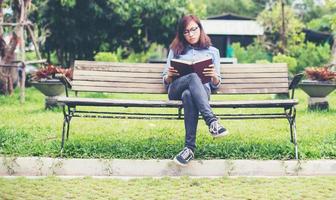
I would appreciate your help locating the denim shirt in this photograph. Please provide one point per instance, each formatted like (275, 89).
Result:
(194, 54)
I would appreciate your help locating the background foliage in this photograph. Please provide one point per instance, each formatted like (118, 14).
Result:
(80, 29)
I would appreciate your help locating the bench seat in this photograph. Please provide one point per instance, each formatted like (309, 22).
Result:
(78, 101)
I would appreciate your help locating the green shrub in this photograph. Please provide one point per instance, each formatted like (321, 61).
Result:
(122, 55)
(291, 62)
(262, 62)
(239, 52)
(106, 56)
(250, 54)
(31, 55)
(309, 54)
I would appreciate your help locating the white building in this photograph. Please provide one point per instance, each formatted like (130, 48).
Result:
(228, 28)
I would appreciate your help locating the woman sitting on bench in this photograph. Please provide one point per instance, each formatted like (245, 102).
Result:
(192, 44)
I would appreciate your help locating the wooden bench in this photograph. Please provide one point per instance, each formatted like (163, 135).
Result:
(90, 76)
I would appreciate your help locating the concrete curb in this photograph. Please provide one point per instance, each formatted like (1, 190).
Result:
(42, 166)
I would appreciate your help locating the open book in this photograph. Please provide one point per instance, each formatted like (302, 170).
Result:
(186, 67)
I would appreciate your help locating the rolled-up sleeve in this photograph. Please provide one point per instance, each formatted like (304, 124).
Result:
(216, 61)
(165, 70)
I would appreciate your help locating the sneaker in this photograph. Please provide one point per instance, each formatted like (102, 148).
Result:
(217, 130)
(184, 157)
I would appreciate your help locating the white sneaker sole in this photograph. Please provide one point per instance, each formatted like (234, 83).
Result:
(178, 163)
(221, 135)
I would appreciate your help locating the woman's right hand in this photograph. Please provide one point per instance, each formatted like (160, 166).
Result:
(170, 74)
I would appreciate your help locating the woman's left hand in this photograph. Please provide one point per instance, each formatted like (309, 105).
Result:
(210, 71)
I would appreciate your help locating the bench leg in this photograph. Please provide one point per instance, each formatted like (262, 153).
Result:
(291, 132)
(294, 140)
(66, 125)
(180, 113)
(292, 126)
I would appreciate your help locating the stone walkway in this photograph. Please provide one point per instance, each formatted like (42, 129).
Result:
(36, 166)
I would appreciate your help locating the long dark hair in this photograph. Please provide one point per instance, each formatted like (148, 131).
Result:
(179, 43)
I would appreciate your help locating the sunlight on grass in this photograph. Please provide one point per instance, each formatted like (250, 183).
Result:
(29, 130)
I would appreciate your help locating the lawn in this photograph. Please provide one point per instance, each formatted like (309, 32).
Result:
(169, 188)
(29, 130)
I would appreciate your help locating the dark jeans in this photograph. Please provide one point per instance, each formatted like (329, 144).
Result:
(195, 97)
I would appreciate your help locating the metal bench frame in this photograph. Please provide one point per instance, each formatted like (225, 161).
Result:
(70, 105)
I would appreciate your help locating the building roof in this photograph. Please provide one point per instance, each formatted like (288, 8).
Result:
(232, 27)
(230, 16)
(318, 37)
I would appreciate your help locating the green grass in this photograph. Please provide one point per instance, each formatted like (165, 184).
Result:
(29, 130)
(169, 188)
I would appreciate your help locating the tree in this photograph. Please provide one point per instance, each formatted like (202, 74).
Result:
(8, 71)
(314, 11)
(272, 22)
(333, 51)
(249, 8)
(326, 21)
(78, 29)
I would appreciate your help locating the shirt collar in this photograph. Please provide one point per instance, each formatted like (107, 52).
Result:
(193, 47)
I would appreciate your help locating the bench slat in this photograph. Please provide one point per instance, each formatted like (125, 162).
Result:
(159, 69)
(232, 70)
(159, 80)
(222, 90)
(255, 85)
(97, 64)
(255, 75)
(255, 80)
(162, 90)
(122, 69)
(121, 90)
(116, 74)
(115, 64)
(157, 85)
(94, 64)
(170, 103)
(118, 79)
(156, 75)
(255, 65)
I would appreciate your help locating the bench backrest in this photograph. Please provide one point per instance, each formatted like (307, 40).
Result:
(146, 78)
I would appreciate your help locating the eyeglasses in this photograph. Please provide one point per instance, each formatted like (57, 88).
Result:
(191, 31)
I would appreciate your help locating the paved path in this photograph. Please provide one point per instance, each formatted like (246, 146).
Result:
(36, 166)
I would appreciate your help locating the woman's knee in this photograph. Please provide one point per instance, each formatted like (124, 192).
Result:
(194, 76)
(186, 94)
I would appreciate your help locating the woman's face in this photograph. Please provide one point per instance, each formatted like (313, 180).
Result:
(192, 33)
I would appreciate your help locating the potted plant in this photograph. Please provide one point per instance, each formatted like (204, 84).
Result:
(46, 82)
(321, 81)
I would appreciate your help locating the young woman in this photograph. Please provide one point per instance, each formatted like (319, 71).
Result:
(192, 44)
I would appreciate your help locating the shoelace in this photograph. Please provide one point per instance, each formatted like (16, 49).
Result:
(186, 152)
(214, 127)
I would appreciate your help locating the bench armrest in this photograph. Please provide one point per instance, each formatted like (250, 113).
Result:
(66, 82)
(294, 83)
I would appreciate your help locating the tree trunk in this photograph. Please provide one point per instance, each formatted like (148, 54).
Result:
(8, 75)
(1, 18)
(333, 53)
